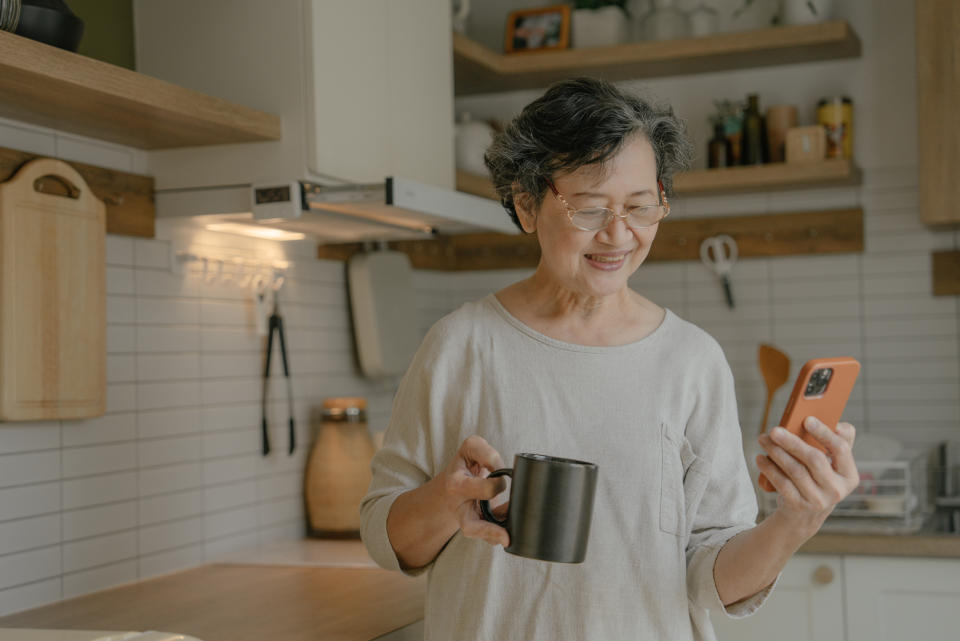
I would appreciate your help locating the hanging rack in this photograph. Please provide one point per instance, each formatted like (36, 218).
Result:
(245, 272)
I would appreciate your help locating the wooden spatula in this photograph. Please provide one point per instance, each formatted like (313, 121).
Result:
(775, 367)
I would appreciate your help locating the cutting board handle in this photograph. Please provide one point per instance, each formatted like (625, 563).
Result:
(28, 175)
(72, 190)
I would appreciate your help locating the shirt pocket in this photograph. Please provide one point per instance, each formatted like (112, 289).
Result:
(683, 479)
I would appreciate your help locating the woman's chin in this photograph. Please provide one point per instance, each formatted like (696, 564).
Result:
(605, 285)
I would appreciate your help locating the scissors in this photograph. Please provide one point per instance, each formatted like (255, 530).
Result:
(275, 326)
(719, 253)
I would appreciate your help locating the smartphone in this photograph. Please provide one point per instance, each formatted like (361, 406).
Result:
(822, 390)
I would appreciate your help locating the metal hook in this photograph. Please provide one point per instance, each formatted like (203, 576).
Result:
(279, 277)
(247, 276)
(258, 282)
(213, 277)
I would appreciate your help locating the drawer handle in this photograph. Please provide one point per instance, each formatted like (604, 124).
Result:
(823, 575)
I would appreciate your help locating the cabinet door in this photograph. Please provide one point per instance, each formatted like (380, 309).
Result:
(380, 90)
(897, 599)
(938, 135)
(806, 605)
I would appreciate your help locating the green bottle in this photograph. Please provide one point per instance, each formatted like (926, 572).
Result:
(753, 146)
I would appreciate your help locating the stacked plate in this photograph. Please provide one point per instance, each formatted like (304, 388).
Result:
(9, 15)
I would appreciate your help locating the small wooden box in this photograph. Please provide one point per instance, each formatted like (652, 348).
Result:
(805, 144)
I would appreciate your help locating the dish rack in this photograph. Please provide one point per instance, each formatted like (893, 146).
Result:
(892, 498)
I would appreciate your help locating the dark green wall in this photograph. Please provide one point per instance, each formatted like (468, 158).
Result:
(108, 30)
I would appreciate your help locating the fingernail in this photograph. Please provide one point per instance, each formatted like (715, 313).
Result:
(778, 431)
(812, 422)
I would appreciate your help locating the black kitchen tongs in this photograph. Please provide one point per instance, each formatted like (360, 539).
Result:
(276, 325)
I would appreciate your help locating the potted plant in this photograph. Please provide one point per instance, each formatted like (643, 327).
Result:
(598, 23)
(729, 115)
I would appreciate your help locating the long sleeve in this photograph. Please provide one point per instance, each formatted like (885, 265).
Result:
(414, 447)
(721, 499)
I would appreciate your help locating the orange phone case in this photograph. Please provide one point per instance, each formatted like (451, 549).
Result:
(826, 406)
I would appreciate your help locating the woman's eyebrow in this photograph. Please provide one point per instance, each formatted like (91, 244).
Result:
(599, 194)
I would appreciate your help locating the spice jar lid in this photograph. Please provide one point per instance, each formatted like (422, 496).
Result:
(345, 408)
(843, 99)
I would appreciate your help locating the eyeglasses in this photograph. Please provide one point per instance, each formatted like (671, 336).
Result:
(596, 218)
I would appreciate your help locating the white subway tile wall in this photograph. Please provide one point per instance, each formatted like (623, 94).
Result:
(172, 476)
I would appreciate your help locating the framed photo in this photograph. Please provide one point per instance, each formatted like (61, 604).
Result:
(538, 29)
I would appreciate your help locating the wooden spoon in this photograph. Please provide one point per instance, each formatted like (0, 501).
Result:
(775, 367)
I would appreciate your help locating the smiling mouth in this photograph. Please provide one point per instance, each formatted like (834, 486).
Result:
(606, 258)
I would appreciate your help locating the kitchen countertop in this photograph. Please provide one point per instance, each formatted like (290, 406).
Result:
(353, 554)
(313, 589)
(922, 544)
(247, 602)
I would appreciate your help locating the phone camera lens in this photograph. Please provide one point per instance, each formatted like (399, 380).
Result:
(818, 382)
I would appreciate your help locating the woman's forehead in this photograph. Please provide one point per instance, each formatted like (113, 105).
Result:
(635, 160)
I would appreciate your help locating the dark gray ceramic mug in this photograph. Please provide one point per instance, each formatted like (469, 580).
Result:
(551, 506)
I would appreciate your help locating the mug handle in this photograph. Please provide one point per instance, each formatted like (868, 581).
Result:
(485, 505)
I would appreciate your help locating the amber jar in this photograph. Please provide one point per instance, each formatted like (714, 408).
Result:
(338, 470)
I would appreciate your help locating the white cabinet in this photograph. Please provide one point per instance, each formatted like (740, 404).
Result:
(856, 598)
(901, 599)
(364, 88)
(380, 90)
(806, 605)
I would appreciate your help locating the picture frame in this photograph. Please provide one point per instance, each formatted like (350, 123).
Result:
(540, 29)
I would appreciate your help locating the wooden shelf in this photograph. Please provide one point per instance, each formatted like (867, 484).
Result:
(834, 172)
(946, 273)
(476, 185)
(762, 235)
(51, 87)
(480, 70)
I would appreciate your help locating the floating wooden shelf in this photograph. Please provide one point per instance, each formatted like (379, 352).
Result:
(128, 197)
(47, 86)
(946, 273)
(480, 70)
(834, 172)
(817, 232)
(476, 185)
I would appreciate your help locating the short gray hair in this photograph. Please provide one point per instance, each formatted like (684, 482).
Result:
(578, 122)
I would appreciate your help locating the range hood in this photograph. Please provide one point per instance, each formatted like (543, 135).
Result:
(396, 209)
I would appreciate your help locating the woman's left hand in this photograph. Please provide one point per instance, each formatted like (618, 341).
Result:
(810, 482)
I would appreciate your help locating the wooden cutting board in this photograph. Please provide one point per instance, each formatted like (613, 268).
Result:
(52, 296)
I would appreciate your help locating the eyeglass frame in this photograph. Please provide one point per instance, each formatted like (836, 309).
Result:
(572, 211)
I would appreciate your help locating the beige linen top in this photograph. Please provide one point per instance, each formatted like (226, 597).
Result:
(658, 417)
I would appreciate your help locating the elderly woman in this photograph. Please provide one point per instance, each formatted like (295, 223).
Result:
(571, 362)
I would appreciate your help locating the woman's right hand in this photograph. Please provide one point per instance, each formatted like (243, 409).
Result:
(464, 483)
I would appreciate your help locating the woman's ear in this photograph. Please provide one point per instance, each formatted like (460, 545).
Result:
(525, 213)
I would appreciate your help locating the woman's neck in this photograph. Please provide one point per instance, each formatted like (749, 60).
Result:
(551, 300)
(551, 309)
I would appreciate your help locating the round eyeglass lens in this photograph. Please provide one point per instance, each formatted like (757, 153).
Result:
(591, 219)
(645, 216)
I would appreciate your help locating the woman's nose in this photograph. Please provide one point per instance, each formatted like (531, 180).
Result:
(617, 229)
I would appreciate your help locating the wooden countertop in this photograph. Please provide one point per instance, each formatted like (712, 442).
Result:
(237, 602)
(923, 545)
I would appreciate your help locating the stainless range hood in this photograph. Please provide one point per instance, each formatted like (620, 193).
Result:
(396, 209)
